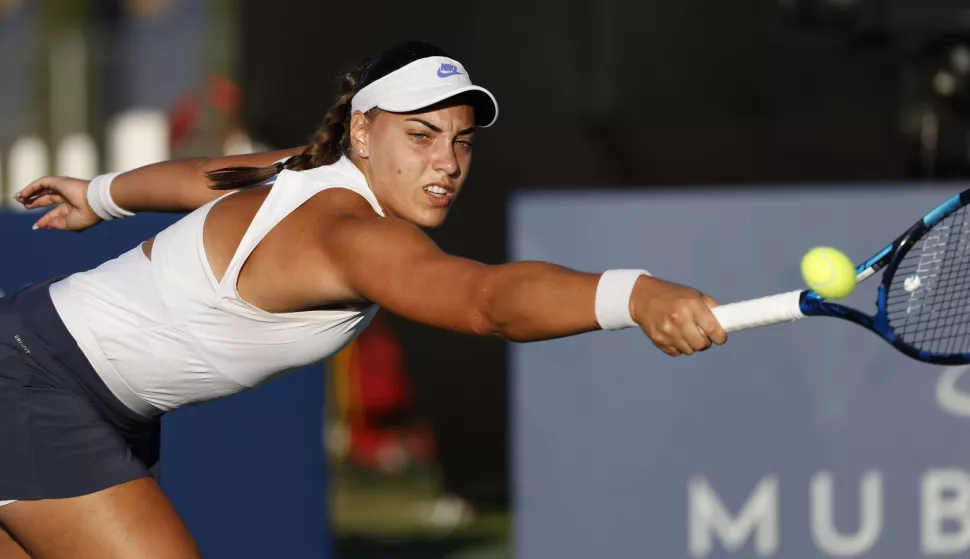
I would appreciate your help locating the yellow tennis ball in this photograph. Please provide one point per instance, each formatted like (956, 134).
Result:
(828, 272)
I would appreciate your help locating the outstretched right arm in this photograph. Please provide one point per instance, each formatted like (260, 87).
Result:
(170, 186)
(396, 265)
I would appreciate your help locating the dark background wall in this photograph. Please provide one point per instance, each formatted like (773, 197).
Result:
(591, 93)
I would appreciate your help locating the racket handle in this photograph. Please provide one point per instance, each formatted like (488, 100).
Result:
(784, 307)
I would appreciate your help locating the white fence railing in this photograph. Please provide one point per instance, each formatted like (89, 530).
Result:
(132, 139)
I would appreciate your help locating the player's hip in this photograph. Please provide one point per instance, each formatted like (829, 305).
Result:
(62, 432)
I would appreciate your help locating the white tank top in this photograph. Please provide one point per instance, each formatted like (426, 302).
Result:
(163, 333)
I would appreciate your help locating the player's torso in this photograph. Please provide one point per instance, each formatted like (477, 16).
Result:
(230, 297)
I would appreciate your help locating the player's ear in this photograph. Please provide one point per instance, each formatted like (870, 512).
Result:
(359, 130)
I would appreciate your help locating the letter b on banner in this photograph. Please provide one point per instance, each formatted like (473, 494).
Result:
(946, 501)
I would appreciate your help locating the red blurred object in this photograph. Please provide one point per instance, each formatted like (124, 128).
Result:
(183, 118)
(205, 115)
(223, 94)
(384, 431)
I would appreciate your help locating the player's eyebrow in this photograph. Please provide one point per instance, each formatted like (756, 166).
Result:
(426, 123)
(436, 129)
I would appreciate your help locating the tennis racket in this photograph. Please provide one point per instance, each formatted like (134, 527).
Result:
(922, 303)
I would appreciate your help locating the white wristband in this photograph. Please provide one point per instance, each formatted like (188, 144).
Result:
(99, 198)
(613, 298)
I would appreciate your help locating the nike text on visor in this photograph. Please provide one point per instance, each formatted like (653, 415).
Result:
(423, 83)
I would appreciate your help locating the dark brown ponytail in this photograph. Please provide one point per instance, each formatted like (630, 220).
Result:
(329, 143)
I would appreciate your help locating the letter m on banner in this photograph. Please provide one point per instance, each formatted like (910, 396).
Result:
(709, 518)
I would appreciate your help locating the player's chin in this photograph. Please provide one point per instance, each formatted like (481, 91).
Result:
(430, 218)
(433, 222)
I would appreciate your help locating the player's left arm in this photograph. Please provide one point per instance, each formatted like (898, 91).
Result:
(181, 185)
(175, 186)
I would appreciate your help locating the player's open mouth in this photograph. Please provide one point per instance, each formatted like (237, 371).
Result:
(438, 195)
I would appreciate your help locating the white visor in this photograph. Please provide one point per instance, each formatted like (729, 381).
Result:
(423, 83)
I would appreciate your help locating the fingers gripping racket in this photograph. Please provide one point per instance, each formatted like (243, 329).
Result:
(922, 303)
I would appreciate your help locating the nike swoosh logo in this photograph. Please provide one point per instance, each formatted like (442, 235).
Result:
(446, 73)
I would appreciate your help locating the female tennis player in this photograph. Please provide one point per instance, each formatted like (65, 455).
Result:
(281, 260)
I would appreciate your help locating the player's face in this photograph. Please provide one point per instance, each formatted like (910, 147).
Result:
(417, 162)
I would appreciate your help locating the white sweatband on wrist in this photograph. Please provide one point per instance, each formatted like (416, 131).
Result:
(613, 298)
(100, 200)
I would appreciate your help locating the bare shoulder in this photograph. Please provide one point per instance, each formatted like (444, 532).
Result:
(355, 246)
(340, 211)
(341, 202)
(348, 226)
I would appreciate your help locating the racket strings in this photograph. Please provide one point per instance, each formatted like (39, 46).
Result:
(928, 303)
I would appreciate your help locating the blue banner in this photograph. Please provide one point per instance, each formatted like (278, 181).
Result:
(803, 440)
(246, 473)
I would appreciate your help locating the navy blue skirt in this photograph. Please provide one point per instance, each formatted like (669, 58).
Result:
(62, 432)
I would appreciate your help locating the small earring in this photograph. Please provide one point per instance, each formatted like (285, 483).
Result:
(362, 151)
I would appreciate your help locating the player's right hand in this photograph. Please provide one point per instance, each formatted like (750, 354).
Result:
(676, 318)
(71, 196)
